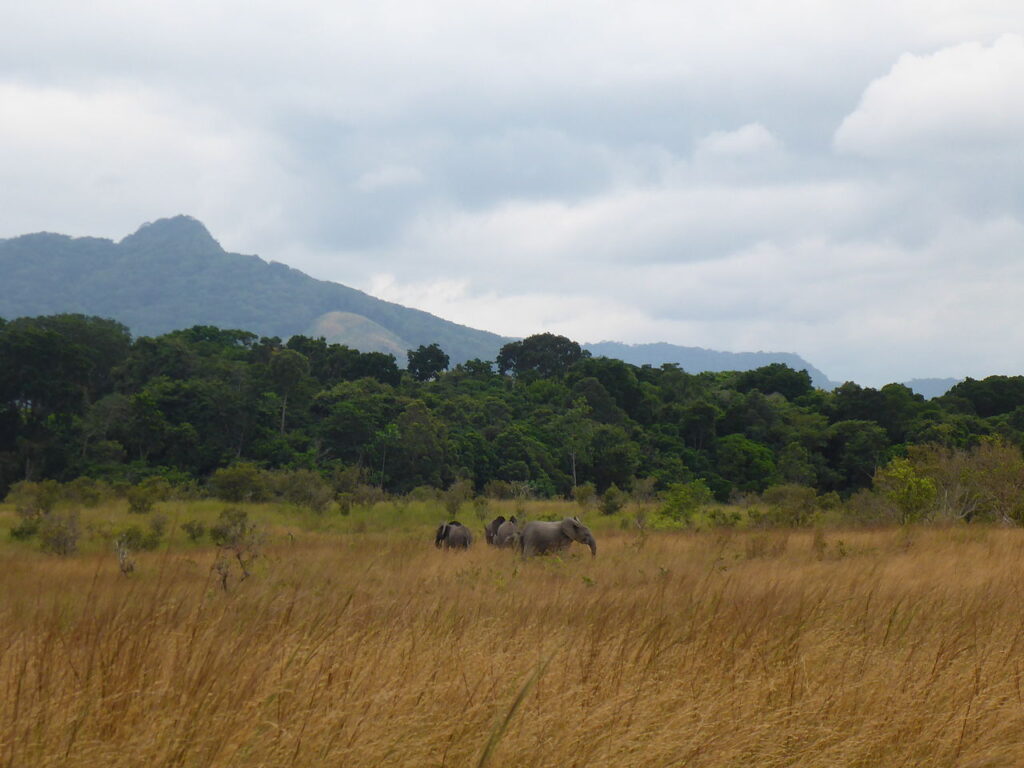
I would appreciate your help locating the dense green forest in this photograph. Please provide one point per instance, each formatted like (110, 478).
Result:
(80, 397)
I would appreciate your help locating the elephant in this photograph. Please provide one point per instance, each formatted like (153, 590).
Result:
(492, 528)
(506, 534)
(453, 535)
(540, 536)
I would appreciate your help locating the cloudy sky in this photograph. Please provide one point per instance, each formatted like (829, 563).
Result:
(843, 180)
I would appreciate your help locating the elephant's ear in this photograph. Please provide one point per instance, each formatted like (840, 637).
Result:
(499, 520)
(570, 527)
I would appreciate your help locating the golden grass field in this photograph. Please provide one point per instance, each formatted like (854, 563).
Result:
(847, 648)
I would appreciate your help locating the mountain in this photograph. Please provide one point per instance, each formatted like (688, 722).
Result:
(929, 388)
(694, 359)
(172, 274)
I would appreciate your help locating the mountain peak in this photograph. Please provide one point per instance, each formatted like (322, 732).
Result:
(178, 232)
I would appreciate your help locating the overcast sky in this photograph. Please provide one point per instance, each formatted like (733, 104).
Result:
(843, 180)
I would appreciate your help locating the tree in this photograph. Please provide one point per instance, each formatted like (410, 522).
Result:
(544, 353)
(578, 430)
(748, 465)
(288, 369)
(427, 363)
(854, 449)
(990, 396)
(776, 377)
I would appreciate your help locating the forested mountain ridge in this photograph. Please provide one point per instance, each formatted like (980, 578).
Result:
(173, 274)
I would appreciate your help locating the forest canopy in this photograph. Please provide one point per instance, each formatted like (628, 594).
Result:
(80, 397)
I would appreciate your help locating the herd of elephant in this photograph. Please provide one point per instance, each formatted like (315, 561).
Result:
(536, 537)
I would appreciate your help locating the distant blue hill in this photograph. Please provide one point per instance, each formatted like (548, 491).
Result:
(929, 388)
(696, 359)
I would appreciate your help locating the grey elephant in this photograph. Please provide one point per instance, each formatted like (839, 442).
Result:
(492, 528)
(506, 534)
(539, 536)
(453, 535)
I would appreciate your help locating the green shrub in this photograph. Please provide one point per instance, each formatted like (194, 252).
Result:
(87, 491)
(240, 482)
(344, 501)
(231, 528)
(424, 493)
(59, 532)
(613, 500)
(27, 528)
(194, 529)
(498, 489)
(459, 492)
(304, 488)
(584, 494)
(790, 505)
(31, 497)
(134, 539)
(723, 517)
(141, 499)
(682, 500)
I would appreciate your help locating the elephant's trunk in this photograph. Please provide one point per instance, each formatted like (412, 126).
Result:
(593, 547)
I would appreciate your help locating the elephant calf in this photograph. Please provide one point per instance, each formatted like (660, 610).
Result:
(506, 534)
(539, 536)
(453, 535)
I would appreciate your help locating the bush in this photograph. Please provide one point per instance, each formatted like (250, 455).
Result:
(584, 494)
(459, 492)
(141, 499)
(643, 489)
(498, 489)
(368, 495)
(481, 506)
(237, 536)
(790, 505)
(344, 501)
(304, 488)
(613, 500)
(724, 517)
(59, 533)
(87, 491)
(231, 528)
(424, 493)
(240, 482)
(345, 479)
(27, 528)
(682, 500)
(31, 497)
(866, 507)
(135, 539)
(194, 529)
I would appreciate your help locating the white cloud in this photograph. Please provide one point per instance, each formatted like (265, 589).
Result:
(967, 96)
(751, 139)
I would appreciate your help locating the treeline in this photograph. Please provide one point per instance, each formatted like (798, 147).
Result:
(79, 397)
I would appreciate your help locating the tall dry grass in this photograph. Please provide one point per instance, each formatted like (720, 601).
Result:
(883, 649)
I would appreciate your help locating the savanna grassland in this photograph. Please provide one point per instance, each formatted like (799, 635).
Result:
(363, 645)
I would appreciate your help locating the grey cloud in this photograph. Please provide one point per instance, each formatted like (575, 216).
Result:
(741, 175)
